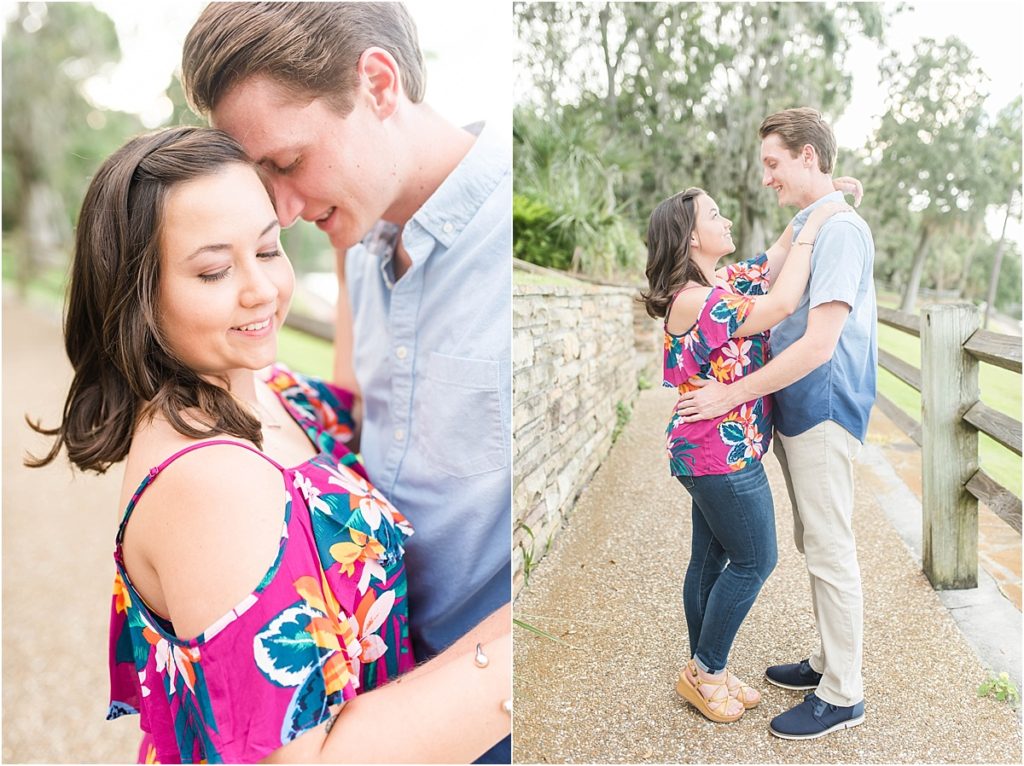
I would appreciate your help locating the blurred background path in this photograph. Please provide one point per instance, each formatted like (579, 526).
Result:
(58, 537)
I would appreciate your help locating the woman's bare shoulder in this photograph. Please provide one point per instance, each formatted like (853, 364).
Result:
(207, 528)
(686, 308)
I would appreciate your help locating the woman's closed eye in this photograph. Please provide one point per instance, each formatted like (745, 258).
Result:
(217, 275)
(265, 255)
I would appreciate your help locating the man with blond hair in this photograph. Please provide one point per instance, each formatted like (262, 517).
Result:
(823, 376)
(328, 99)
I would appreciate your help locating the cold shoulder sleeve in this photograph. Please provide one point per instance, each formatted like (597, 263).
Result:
(327, 621)
(749, 277)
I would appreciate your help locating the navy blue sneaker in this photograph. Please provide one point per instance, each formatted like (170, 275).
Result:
(795, 675)
(815, 718)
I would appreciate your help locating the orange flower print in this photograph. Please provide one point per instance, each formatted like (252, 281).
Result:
(721, 369)
(369, 617)
(331, 632)
(176, 659)
(122, 598)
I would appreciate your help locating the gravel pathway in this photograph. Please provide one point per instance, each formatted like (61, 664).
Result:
(611, 590)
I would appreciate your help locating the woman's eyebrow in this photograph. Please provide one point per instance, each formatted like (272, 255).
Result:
(224, 246)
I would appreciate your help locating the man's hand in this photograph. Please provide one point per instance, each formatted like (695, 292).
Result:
(709, 401)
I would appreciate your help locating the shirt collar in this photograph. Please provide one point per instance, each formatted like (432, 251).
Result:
(452, 206)
(801, 218)
(450, 209)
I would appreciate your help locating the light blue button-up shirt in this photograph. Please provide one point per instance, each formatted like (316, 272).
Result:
(842, 389)
(432, 355)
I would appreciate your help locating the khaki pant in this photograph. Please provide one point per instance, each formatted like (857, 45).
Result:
(818, 466)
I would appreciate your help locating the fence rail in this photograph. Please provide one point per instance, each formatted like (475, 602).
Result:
(318, 328)
(952, 415)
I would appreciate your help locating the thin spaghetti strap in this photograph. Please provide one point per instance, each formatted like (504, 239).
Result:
(189, 448)
(155, 471)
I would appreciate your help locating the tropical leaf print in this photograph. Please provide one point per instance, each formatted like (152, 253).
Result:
(741, 431)
(731, 310)
(309, 707)
(681, 461)
(284, 650)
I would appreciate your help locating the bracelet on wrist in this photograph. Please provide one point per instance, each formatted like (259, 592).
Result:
(809, 244)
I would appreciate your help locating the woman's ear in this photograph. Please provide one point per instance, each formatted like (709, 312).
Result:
(379, 78)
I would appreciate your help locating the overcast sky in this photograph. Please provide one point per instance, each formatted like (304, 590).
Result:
(467, 44)
(992, 29)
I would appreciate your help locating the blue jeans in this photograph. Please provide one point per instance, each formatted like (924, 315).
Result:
(732, 554)
(500, 753)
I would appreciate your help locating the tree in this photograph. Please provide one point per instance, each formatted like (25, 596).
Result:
(775, 56)
(927, 140)
(1002, 150)
(52, 136)
(678, 90)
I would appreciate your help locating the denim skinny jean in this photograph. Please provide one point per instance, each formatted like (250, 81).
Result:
(732, 554)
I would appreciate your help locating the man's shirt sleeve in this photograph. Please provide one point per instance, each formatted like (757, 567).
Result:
(837, 265)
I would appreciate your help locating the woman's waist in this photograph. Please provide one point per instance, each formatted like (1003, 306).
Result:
(756, 412)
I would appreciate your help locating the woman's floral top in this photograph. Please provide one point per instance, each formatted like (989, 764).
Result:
(328, 620)
(707, 350)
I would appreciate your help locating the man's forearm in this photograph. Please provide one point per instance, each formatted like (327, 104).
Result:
(788, 367)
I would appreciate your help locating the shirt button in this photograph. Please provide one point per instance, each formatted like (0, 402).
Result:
(399, 434)
(448, 228)
(401, 352)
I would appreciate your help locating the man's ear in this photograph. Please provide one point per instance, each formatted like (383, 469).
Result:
(809, 156)
(378, 76)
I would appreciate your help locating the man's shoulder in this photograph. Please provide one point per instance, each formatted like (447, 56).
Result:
(845, 230)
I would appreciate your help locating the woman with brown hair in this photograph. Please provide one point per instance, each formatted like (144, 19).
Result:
(260, 584)
(716, 327)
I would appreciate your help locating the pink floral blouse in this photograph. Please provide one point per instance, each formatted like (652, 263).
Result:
(328, 621)
(707, 350)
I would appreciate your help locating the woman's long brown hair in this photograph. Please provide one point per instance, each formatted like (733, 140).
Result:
(123, 368)
(669, 265)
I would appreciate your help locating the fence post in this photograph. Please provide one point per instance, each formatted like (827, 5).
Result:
(949, 386)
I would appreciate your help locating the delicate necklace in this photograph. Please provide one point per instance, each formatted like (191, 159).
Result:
(267, 420)
(262, 413)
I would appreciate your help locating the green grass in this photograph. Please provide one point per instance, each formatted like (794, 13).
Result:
(1000, 389)
(304, 353)
(529, 278)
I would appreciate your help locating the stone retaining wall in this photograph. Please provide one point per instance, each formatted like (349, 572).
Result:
(578, 354)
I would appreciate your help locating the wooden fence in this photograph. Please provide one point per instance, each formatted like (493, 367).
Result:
(952, 414)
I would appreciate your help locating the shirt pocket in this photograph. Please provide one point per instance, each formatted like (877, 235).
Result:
(458, 415)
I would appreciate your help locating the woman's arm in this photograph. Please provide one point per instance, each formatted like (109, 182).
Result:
(344, 369)
(785, 294)
(447, 710)
(778, 251)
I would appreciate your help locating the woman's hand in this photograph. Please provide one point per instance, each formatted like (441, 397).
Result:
(817, 219)
(849, 185)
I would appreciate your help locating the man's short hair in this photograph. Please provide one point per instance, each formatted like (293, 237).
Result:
(310, 49)
(801, 126)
